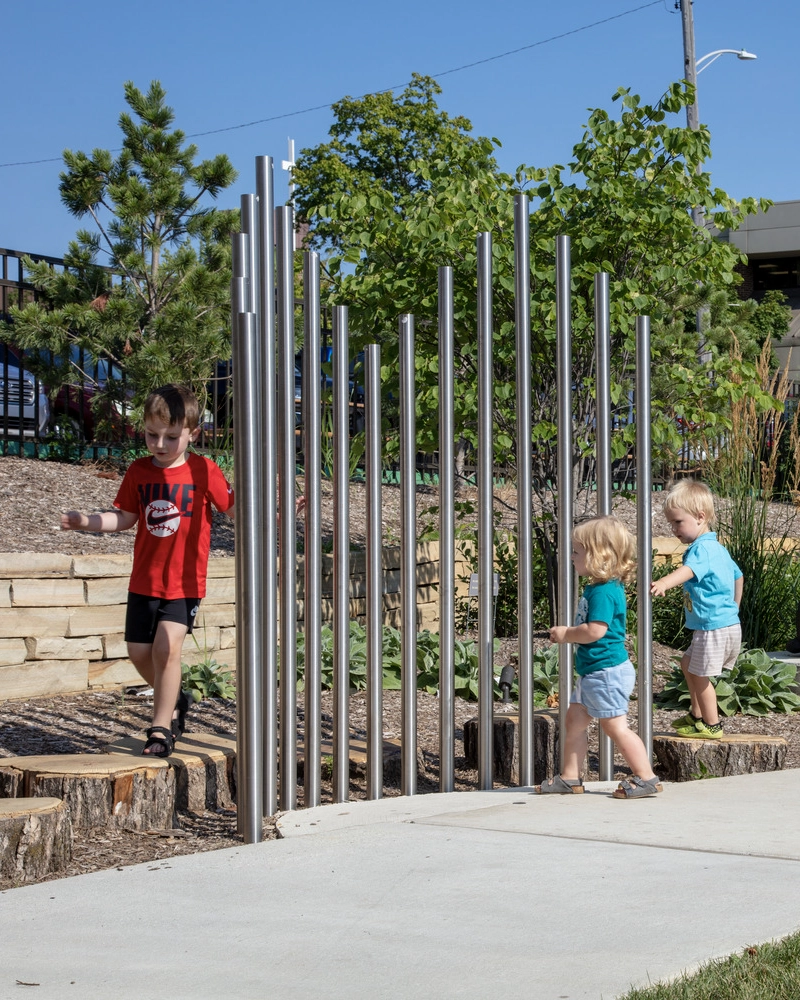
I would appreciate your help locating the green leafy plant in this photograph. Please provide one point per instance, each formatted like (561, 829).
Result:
(545, 676)
(755, 685)
(207, 678)
(669, 620)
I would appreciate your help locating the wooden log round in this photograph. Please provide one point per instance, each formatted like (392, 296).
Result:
(505, 745)
(681, 758)
(204, 766)
(101, 790)
(35, 837)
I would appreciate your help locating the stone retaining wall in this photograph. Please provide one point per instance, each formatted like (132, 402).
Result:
(62, 617)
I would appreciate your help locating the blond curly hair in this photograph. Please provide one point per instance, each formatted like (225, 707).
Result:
(610, 548)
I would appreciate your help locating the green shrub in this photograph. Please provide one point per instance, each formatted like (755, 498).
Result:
(207, 679)
(669, 625)
(755, 685)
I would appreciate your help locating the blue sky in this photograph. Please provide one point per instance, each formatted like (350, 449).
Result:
(224, 65)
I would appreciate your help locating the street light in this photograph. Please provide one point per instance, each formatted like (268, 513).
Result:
(713, 56)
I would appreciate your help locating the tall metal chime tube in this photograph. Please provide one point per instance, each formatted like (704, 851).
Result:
(522, 293)
(564, 425)
(312, 583)
(485, 520)
(602, 341)
(644, 530)
(248, 565)
(374, 624)
(446, 535)
(408, 558)
(341, 556)
(284, 227)
(268, 437)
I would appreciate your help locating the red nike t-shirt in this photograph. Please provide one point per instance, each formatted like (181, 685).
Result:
(173, 534)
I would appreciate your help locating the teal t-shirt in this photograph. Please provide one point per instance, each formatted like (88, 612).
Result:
(602, 602)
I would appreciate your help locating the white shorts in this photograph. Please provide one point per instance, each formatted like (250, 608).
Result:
(714, 651)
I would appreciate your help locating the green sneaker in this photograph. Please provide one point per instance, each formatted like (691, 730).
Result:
(689, 728)
(685, 720)
(706, 732)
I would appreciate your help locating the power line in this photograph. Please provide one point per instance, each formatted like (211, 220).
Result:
(385, 90)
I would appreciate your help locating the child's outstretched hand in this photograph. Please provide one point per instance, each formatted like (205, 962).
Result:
(657, 588)
(72, 521)
(558, 633)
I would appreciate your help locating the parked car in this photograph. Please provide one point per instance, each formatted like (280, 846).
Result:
(24, 407)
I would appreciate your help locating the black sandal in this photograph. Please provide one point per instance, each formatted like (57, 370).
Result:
(182, 707)
(158, 736)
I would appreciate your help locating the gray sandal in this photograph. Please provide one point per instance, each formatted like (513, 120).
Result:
(560, 786)
(636, 787)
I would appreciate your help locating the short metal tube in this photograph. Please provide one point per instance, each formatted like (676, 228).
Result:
(446, 534)
(602, 342)
(248, 670)
(341, 556)
(564, 475)
(374, 556)
(408, 558)
(644, 530)
(269, 474)
(485, 518)
(284, 226)
(312, 582)
(522, 315)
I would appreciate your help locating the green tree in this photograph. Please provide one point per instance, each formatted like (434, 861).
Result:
(149, 288)
(624, 200)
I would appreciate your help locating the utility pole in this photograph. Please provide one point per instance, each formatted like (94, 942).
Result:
(689, 62)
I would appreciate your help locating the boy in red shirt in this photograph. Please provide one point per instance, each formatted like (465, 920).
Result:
(170, 495)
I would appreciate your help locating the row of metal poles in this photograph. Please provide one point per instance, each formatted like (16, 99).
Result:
(263, 298)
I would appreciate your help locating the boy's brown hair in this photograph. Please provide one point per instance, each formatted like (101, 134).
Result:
(692, 496)
(610, 548)
(173, 404)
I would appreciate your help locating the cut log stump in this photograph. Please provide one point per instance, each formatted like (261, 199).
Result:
(505, 746)
(35, 837)
(204, 766)
(101, 790)
(680, 758)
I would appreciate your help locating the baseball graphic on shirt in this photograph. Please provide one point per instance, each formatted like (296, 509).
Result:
(162, 518)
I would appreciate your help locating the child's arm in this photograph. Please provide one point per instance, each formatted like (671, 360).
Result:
(674, 579)
(109, 520)
(587, 632)
(738, 587)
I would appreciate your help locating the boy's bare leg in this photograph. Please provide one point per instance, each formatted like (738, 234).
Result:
(575, 743)
(704, 693)
(695, 708)
(159, 664)
(629, 745)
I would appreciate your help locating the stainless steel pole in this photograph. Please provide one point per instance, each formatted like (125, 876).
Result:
(269, 475)
(374, 437)
(485, 519)
(248, 670)
(644, 530)
(522, 300)
(287, 464)
(312, 589)
(408, 558)
(341, 556)
(446, 535)
(566, 598)
(602, 343)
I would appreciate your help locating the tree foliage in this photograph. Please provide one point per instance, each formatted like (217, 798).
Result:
(624, 200)
(148, 289)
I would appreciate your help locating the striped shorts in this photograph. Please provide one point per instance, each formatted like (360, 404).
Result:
(714, 651)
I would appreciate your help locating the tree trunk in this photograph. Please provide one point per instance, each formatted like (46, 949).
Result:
(35, 837)
(505, 748)
(680, 758)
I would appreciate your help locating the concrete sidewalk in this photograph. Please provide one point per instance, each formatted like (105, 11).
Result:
(476, 895)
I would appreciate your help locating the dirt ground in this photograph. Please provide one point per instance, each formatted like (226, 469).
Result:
(34, 495)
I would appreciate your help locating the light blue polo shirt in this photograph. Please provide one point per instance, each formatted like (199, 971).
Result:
(708, 597)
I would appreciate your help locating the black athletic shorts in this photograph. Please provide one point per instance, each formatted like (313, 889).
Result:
(144, 614)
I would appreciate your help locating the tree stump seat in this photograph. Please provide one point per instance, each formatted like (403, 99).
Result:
(35, 837)
(681, 758)
(101, 790)
(204, 766)
(505, 745)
